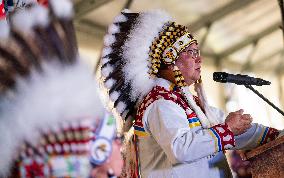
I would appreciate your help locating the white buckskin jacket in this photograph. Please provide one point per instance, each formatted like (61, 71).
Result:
(171, 141)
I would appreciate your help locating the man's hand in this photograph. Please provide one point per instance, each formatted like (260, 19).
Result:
(238, 122)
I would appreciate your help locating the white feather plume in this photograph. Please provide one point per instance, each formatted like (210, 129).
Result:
(40, 15)
(106, 51)
(114, 95)
(109, 39)
(126, 11)
(104, 60)
(137, 47)
(5, 30)
(120, 107)
(120, 18)
(112, 29)
(26, 25)
(107, 70)
(109, 83)
(62, 8)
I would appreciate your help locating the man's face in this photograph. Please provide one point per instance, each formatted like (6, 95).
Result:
(189, 63)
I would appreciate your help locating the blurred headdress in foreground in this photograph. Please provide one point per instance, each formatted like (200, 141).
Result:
(43, 82)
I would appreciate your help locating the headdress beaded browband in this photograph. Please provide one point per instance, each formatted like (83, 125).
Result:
(168, 45)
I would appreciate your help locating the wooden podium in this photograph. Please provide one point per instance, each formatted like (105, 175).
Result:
(268, 159)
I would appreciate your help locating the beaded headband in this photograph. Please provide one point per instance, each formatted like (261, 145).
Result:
(166, 47)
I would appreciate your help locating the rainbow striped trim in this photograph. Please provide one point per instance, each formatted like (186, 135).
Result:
(217, 139)
(194, 122)
(140, 131)
(263, 135)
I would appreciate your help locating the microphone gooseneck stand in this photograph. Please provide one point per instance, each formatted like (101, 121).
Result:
(265, 99)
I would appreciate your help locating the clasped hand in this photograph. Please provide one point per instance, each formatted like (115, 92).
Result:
(238, 122)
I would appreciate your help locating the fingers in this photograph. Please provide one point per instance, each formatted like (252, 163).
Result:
(241, 111)
(247, 126)
(238, 122)
(247, 117)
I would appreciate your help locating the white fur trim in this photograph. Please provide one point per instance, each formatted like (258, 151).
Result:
(40, 14)
(62, 8)
(114, 95)
(112, 29)
(215, 116)
(109, 39)
(136, 50)
(5, 30)
(106, 51)
(49, 98)
(201, 116)
(106, 71)
(120, 107)
(120, 18)
(23, 21)
(109, 83)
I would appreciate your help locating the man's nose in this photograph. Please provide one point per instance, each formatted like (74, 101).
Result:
(198, 59)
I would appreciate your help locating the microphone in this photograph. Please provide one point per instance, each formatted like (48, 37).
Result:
(238, 79)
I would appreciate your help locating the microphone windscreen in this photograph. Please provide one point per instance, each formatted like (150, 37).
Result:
(220, 77)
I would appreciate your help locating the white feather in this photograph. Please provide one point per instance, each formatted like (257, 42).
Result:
(136, 50)
(112, 29)
(23, 21)
(108, 69)
(105, 60)
(59, 94)
(109, 39)
(5, 30)
(40, 14)
(120, 18)
(109, 83)
(114, 95)
(124, 114)
(62, 8)
(120, 107)
(126, 11)
(106, 51)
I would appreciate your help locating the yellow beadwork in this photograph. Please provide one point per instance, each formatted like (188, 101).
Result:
(170, 34)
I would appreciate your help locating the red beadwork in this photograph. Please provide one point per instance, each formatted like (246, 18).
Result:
(156, 93)
(272, 134)
(226, 137)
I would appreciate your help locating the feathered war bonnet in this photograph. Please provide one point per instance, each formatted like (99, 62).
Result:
(136, 46)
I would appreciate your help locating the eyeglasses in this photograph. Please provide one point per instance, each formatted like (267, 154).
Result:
(194, 53)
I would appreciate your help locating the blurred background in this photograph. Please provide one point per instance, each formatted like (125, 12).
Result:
(235, 36)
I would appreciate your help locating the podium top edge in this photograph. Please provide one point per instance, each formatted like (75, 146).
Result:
(263, 148)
